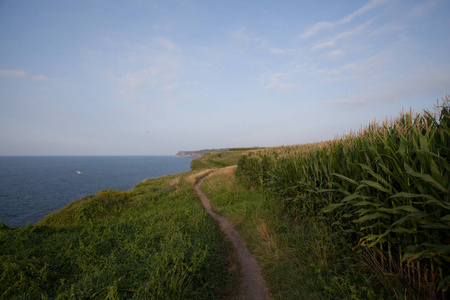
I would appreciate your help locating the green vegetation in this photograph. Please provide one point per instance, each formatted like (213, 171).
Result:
(220, 159)
(153, 242)
(246, 149)
(385, 189)
(366, 216)
(198, 153)
(300, 259)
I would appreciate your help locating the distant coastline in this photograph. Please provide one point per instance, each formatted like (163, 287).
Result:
(197, 153)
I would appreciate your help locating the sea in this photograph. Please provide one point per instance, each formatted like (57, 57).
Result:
(31, 187)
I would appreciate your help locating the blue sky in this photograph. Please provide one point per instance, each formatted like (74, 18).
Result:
(154, 77)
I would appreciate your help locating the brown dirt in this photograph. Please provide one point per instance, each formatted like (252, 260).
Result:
(254, 285)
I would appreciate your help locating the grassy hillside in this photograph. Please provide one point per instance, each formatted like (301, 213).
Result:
(154, 241)
(221, 159)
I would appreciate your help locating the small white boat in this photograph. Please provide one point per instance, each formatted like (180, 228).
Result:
(79, 172)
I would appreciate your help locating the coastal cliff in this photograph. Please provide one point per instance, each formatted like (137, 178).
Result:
(196, 154)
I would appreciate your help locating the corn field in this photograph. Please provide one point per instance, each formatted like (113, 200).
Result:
(386, 187)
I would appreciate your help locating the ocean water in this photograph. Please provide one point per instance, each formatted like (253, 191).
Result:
(31, 187)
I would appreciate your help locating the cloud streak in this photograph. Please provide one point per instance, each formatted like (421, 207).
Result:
(419, 81)
(161, 74)
(147, 73)
(22, 74)
(423, 9)
(274, 81)
(332, 42)
(13, 73)
(365, 69)
(244, 36)
(314, 29)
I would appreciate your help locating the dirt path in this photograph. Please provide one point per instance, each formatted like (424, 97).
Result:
(254, 285)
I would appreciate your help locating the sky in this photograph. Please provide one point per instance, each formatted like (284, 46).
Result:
(155, 77)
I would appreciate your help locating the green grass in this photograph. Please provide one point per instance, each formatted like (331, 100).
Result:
(246, 148)
(155, 242)
(220, 159)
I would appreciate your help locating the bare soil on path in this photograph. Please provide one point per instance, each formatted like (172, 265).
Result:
(254, 285)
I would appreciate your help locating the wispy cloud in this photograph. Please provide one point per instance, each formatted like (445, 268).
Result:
(335, 53)
(325, 44)
(276, 50)
(161, 73)
(389, 28)
(21, 74)
(364, 69)
(345, 34)
(13, 73)
(423, 8)
(40, 77)
(366, 8)
(275, 81)
(147, 73)
(245, 36)
(421, 80)
(165, 43)
(314, 29)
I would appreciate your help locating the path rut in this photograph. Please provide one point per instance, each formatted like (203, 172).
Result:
(254, 285)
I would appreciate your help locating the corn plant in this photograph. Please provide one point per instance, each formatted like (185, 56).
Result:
(387, 187)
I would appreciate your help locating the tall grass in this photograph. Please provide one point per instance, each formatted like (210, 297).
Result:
(386, 187)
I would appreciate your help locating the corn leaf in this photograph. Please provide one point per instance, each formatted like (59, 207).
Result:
(345, 178)
(375, 185)
(425, 177)
(371, 217)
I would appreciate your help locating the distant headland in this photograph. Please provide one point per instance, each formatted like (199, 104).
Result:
(198, 153)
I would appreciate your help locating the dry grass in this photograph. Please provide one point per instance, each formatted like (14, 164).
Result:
(270, 242)
(227, 171)
(174, 181)
(194, 177)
